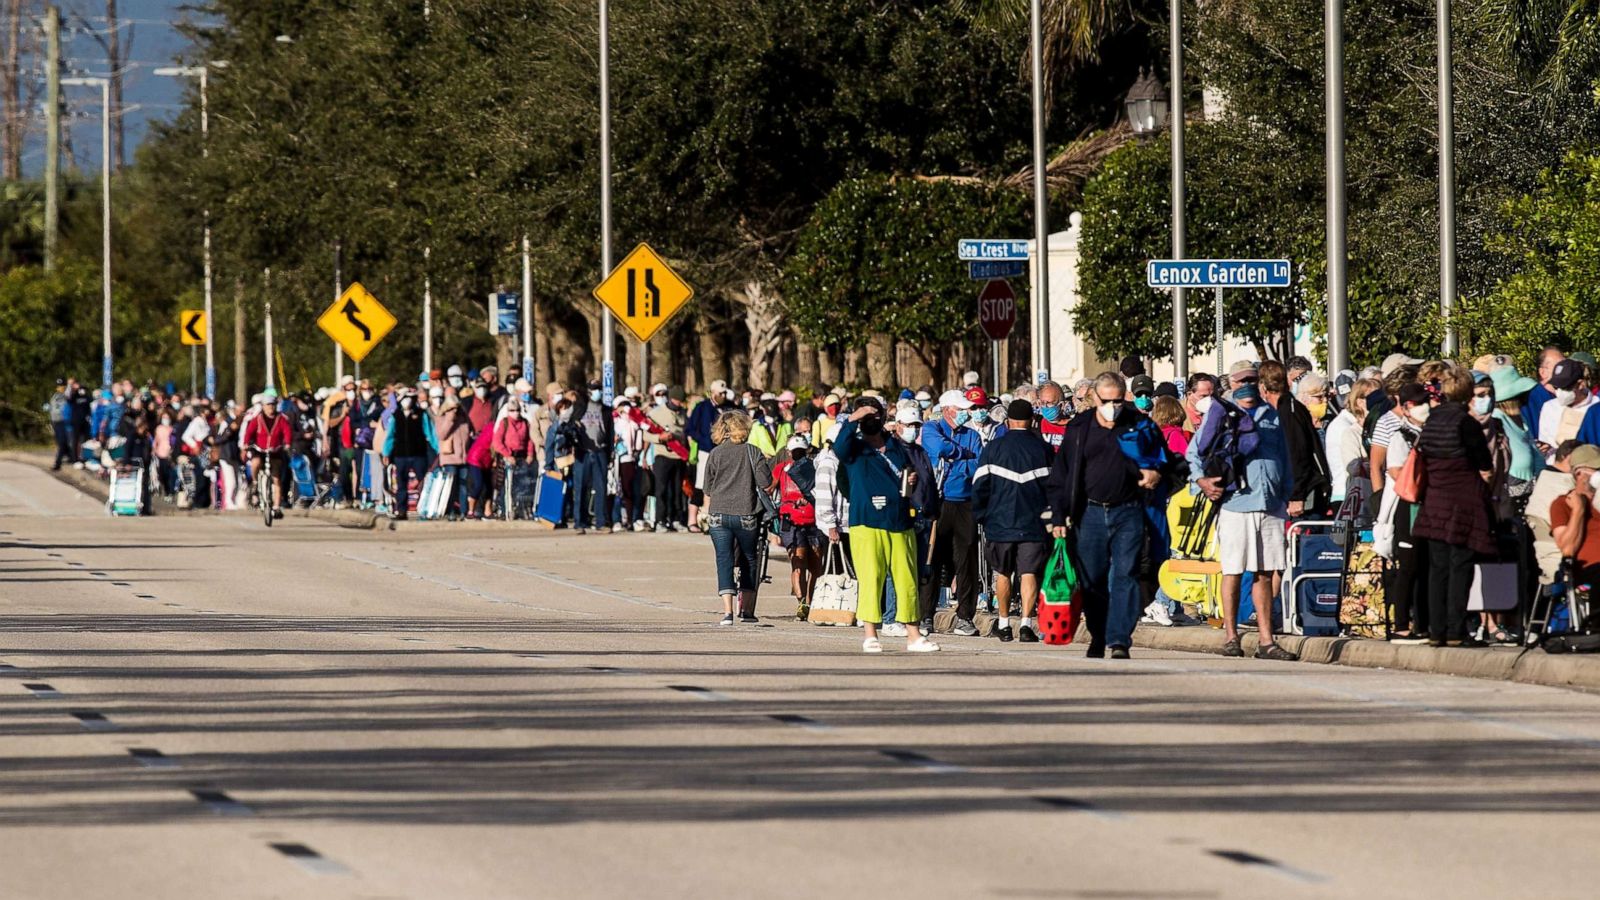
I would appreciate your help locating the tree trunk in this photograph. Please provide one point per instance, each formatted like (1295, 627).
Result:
(830, 370)
(11, 136)
(855, 365)
(544, 366)
(115, 64)
(763, 319)
(807, 371)
(880, 360)
(918, 366)
(661, 359)
(566, 351)
(241, 377)
(713, 354)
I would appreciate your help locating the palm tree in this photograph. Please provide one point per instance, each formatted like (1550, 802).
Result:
(1074, 30)
(1555, 41)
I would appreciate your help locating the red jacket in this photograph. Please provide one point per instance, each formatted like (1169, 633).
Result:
(791, 503)
(261, 436)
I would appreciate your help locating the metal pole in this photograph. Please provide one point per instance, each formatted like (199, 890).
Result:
(52, 136)
(607, 327)
(1333, 101)
(266, 287)
(527, 312)
(994, 365)
(1180, 298)
(105, 223)
(338, 291)
(205, 152)
(1041, 212)
(1221, 371)
(1447, 184)
(427, 312)
(194, 365)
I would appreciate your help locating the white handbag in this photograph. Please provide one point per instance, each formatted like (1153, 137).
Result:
(833, 600)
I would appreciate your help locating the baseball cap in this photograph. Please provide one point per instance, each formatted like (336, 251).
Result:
(786, 397)
(454, 370)
(1396, 360)
(631, 391)
(831, 400)
(1167, 389)
(1566, 373)
(924, 395)
(659, 387)
(1585, 457)
(1020, 411)
(970, 378)
(954, 399)
(908, 416)
(799, 442)
(1142, 384)
(1242, 367)
(867, 400)
(718, 386)
(977, 396)
(523, 387)
(623, 400)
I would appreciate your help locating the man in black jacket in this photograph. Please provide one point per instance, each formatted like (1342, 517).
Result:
(1009, 503)
(1312, 486)
(593, 434)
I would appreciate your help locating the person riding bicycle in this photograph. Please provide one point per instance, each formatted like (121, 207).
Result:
(268, 437)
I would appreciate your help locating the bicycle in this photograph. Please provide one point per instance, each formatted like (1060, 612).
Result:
(264, 488)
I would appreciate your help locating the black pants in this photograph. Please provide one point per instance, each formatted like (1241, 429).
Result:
(668, 475)
(344, 469)
(1407, 589)
(955, 551)
(1449, 584)
(63, 443)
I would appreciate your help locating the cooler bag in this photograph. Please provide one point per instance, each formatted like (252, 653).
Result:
(1060, 598)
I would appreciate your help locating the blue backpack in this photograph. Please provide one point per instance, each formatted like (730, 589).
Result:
(1226, 437)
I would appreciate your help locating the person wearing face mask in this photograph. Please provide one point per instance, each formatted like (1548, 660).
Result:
(457, 382)
(1453, 514)
(410, 445)
(1142, 391)
(1406, 581)
(1306, 454)
(1201, 387)
(1562, 418)
(1053, 414)
(832, 405)
(670, 457)
(983, 420)
(1099, 480)
(593, 435)
(1575, 518)
(797, 521)
(924, 500)
(953, 447)
(1009, 500)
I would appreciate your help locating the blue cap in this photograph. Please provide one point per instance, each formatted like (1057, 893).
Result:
(906, 394)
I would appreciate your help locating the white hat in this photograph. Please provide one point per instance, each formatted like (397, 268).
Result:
(436, 391)
(624, 400)
(768, 395)
(322, 393)
(954, 399)
(718, 386)
(631, 391)
(924, 395)
(658, 388)
(970, 379)
(799, 442)
(257, 398)
(1396, 360)
(453, 370)
(522, 387)
(906, 416)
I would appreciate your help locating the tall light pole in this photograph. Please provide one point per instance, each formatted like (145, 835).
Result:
(1447, 183)
(1333, 103)
(338, 291)
(1041, 211)
(105, 216)
(607, 327)
(427, 312)
(200, 72)
(1180, 299)
(527, 312)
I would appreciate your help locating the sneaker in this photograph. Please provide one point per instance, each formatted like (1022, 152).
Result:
(617, 528)
(1027, 635)
(727, 619)
(1158, 613)
(893, 629)
(674, 527)
(1120, 653)
(1005, 634)
(580, 531)
(1095, 651)
(1407, 639)
(1273, 651)
(923, 645)
(964, 628)
(1232, 649)
(640, 526)
(659, 528)
(745, 618)
(927, 626)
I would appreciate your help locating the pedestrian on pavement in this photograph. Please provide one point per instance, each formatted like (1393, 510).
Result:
(454, 435)
(1346, 451)
(592, 436)
(795, 478)
(1308, 459)
(735, 473)
(833, 507)
(60, 409)
(882, 540)
(1111, 454)
(1053, 414)
(627, 460)
(1010, 502)
(925, 505)
(410, 445)
(668, 466)
(953, 447)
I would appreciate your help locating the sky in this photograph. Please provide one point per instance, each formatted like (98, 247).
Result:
(149, 97)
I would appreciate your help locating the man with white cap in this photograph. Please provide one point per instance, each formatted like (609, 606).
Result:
(953, 447)
(456, 379)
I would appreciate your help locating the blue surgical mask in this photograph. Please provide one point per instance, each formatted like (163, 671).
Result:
(1050, 413)
(1143, 403)
(1481, 405)
(924, 403)
(980, 416)
(594, 395)
(526, 398)
(962, 418)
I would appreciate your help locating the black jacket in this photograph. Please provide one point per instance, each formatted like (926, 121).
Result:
(1009, 497)
(1306, 456)
(582, 446)
(1136, 435)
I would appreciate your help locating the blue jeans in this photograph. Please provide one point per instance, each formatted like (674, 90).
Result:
(404, 468)
(589, 487)
(737, 540)
(1108, 549)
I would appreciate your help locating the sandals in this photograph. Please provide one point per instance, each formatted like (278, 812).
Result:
(1501, 636)
(922, 645)
(1273, 651)
(871, 645)
(1232, 649)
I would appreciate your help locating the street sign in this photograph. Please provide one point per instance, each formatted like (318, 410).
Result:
(991, 248)
(356, 321)
(997, 309)
(1006, 268)
(505, 313)
(643, 292)
(192, 327)
(1219, 273)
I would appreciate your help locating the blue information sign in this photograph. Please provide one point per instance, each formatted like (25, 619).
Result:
(505, 313)
(1219, 273)
(991, 248)
(1005, 268)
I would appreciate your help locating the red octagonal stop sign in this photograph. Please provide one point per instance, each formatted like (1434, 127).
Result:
(997, 309)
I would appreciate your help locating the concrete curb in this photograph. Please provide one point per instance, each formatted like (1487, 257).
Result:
(1497, 663)
(90, 484)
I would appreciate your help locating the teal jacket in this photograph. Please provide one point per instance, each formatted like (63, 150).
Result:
(871, 480)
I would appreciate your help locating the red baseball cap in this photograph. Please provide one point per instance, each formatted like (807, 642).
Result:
(977, 396)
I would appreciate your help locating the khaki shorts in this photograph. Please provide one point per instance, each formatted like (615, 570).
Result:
(1251, 542)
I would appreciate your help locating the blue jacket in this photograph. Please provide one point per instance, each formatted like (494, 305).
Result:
(873, 480)
(1588, 432)
(1008, 489)
(698, 427)
(1268, 476)
(954, 452)
(1537, 398)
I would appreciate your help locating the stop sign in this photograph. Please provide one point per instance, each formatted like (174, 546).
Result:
(997, 309)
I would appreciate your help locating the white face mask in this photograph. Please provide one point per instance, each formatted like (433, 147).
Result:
(661, 401)
(455, 381)
(1109, 410)
(911, 433)
(1419, 413)
(1203, 405)
(406, 402)
(1481, 405)
(1566, 398)
(481, 392)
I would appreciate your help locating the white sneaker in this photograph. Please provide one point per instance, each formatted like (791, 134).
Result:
(617, 528)
(640, 526)
(1157, 612)
(893, 629)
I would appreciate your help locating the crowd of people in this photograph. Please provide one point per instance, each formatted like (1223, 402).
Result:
(958, 496)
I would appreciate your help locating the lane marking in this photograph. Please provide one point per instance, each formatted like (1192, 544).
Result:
(566, 582)
(926, 763)
(455, 586)
(151, 758)
(801, 722)
(699, 693)
(310, 860)
(1077, 805)
(220, 803)
(1250, 859)
(94, 721)
(41, 690)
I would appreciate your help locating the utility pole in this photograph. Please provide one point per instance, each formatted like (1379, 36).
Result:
(338, 291)
(1447, 183)
(266, 290)
(608, 376)
(1041, 209)
(1333, 102)
(1180, 298)
(201, 72)
(527, 312)
(105, 216)
(427, 312)
(240, 377)
(52, 135)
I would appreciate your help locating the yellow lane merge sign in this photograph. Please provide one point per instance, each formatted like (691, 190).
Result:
(356, 321)
(643, 292)
(192, 327)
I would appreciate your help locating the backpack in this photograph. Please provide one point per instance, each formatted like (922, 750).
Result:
(1227, 435)
(804, 475)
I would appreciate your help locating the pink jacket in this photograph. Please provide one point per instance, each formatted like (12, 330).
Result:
(454, 433)
(511, 437)
(480, 454)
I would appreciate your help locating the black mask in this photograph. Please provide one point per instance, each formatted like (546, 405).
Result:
(872, 426)
(797, 454)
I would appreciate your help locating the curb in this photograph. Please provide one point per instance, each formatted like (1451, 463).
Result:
(1501, 664)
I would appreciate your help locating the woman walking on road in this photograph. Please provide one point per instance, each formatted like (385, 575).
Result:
(734, 472)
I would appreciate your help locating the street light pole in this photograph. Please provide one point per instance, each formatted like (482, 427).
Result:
(1180, 299)
(1447, 183)
(201, 72)
(266, 288)
(105, 217)
(527, 312)
(427, 312)
(1333, 102)
(607, 327)
(1041, 211)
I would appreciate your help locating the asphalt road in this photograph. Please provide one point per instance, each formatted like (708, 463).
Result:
(198, 707)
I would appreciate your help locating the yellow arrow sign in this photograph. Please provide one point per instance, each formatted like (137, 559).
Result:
(192, 327)
(643, 292)
(356, 321)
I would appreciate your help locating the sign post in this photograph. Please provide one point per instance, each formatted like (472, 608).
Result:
(997, 313)
(356, 321)
(1219, 274)
(192, 331)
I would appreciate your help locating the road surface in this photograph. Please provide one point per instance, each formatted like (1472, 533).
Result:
(198, 707)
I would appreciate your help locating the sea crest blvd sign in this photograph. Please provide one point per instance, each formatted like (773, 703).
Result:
(1219, 273)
